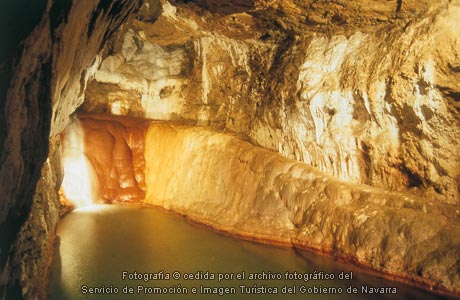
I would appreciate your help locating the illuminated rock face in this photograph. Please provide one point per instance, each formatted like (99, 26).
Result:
(232, 185)
(116, 151)
(366, 93)
(237, 187)
(80, 183)
(103, 160)
(347, 87)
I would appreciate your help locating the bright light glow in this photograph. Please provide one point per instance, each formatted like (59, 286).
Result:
(78, 185)
(429, 71)
(115, 109)
(93, 208)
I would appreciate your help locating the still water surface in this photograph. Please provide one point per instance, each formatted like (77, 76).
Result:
(99, 244)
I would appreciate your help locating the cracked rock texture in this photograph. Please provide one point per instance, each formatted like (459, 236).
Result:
(30, 261)
(365, 91)
(50, 51)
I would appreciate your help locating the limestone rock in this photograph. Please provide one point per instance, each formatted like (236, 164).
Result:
(234, 186)
(351, 89)
(113, 151)
(348, 87)
(43, 79)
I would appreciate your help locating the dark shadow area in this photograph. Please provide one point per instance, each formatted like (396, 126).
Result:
(17, 19)
(413, 180)
(399, 6)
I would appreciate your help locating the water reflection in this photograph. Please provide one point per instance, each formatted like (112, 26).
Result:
(97, 245)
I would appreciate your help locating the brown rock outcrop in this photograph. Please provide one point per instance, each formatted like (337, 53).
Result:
(33, 250)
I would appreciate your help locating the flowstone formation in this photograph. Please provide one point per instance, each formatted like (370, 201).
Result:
(365, 92)
(231, 185)
(103, 160)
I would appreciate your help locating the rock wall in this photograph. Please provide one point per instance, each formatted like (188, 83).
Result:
(112, 149)
(234, 186)
(348, 87)
(43, 76)
(231, 185)
(34, 248)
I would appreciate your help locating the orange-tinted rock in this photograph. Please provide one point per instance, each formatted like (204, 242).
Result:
(103, 159)
(231, 185)
(114, 149)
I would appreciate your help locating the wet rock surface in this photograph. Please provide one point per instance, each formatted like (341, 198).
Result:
(237, 187)
(234, 186)
(111, 149)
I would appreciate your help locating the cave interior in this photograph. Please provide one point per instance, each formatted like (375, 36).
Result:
(331, 126)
